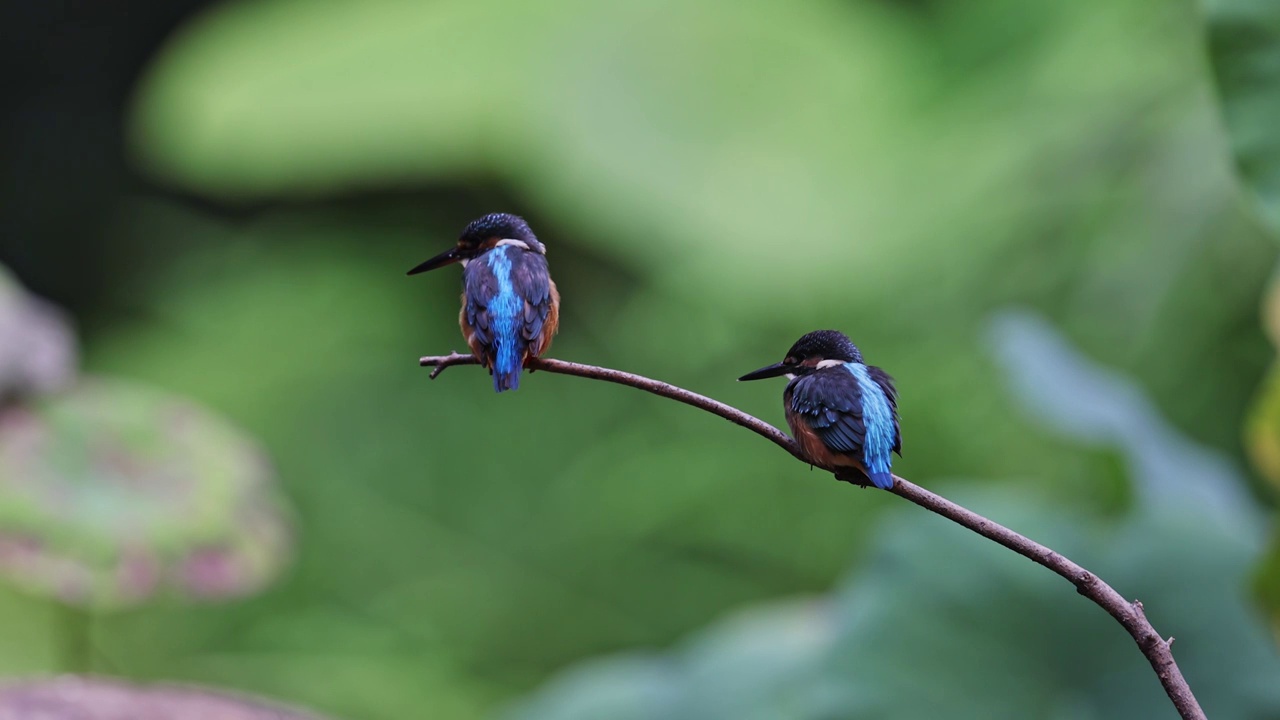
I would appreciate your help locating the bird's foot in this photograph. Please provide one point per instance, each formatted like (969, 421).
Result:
(853, 477)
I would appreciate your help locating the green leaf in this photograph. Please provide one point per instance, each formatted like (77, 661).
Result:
(1244, 46)
(1262, 428)
(111, 493)
(756, 665)
(1262, 441)
(1262, 431)
(1095, 405)
(946, 619)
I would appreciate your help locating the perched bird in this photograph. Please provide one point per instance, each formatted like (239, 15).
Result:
(510, 306)
(842, 412)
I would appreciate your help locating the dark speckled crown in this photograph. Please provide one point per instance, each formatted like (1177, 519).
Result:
(826, 344)
(500, 225)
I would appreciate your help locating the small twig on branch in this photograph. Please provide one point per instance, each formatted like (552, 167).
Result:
(444, 362)
(1130, 615)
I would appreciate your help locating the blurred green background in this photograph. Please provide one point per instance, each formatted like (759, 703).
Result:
(1054, 223)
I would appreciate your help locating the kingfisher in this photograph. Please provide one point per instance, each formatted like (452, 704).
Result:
(842, 412)
(510, 305)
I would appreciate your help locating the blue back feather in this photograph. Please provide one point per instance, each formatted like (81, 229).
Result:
(505, 311)
(878, 418)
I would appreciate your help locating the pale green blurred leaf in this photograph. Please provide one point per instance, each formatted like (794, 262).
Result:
(274, 96)
(757, 665)
(1172, 475)
(1096, 405)
(111, 492)
(1031, 642)
(1262, 440)
(1262, 431)
(1244, 45)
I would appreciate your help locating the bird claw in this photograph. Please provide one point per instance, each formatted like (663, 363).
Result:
(853, 478)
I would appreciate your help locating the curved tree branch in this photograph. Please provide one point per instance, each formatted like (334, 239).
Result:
(1130, 615)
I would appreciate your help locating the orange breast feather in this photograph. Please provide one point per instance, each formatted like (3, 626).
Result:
(813, 448)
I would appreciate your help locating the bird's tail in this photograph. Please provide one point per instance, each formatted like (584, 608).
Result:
(878, 468)
(506, 366)
(882, 480)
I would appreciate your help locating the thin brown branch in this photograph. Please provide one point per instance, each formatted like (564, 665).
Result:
(1130, 615)
(444, 362)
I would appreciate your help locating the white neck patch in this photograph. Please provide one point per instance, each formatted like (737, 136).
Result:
(829, 363)
(515, 243)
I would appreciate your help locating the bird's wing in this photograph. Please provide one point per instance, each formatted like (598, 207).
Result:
(885, 382)
(531, 281)
(479, 286)
(830, 404)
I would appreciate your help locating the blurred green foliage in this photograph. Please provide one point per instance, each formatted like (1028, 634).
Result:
(1263, 434)
(1063, 154)
(942, 624)
(1244, 43)
(712, 180)
(1264, 421)
(112, 494)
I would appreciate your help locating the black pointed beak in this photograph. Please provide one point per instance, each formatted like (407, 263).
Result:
(448, 257)
(769, 371)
